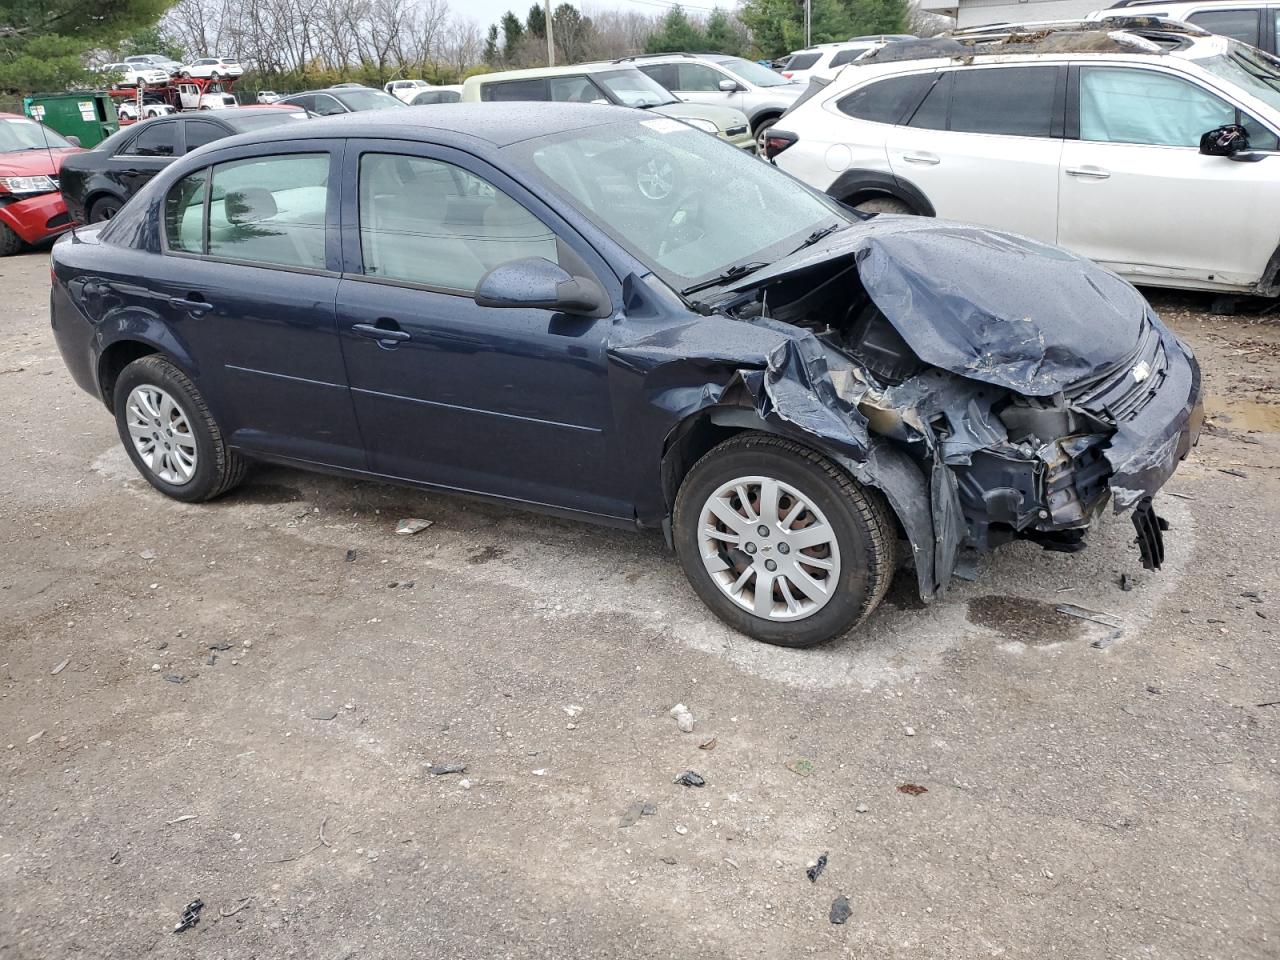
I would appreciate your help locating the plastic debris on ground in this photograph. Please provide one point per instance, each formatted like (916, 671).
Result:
(815, 869)
(633, 813)
(690, 779)
(190, 916)
(800, 767)
(440, 769)
(840, 909)
(912, 789)
(412, 525)
(684, 719)
(1084, 613)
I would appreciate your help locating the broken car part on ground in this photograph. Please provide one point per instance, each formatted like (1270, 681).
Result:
(640, 326)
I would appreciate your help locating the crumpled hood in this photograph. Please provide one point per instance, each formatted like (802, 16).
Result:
(984, 304)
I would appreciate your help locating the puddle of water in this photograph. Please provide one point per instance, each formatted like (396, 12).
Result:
(1243, 414)
(1033, 622)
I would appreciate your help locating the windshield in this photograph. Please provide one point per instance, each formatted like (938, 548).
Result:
(369, 99)
(632, 88)
(753, 72)
(687, 205)
(1250, 69)
(20, 134)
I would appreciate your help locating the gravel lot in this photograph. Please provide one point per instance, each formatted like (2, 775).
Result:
(246, 716)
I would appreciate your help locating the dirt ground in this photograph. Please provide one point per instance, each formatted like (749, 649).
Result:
(214, 702)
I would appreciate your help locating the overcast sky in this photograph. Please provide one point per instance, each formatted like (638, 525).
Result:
(485, 12)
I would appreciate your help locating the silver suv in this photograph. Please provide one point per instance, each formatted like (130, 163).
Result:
(724, 81)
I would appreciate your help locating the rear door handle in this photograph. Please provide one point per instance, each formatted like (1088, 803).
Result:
(196, 307)
(927, 158)
(1088, 173)
(379, 333)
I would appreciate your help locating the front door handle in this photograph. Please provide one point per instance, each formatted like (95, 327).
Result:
(1088, 173)
(194, 307)
(380, 333)
(926, 158)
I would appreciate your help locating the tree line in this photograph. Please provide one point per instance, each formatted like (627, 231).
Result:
(295, 44)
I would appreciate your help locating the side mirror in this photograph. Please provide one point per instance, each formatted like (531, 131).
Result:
(537, 283)
(729, 86)
(74, 141)
(1225, 141)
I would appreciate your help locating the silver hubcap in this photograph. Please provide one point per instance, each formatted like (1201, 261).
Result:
(769, 548)
(161, 434)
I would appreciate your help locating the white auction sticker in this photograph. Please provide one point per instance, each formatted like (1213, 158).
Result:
(665, 125)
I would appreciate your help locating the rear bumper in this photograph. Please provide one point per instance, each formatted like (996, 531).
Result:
(36, 218)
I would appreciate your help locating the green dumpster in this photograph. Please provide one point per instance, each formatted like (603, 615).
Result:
(88, 116)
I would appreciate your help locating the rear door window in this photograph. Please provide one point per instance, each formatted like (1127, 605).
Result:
(663, 73)
(200, 132)
(574, 90)
(262, 210)
(887, 101)
(1245, 25)
(847, 56)
(1009, 101)
(932, 113)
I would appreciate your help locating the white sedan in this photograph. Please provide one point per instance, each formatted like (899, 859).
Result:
(212, 68)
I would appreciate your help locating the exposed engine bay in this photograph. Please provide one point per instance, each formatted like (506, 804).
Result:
(982, 415)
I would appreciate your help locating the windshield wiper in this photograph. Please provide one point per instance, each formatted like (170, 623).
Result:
(732, 273)
(817, 235)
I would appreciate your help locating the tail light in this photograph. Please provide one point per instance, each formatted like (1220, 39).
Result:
(775, 141)
(788, 74)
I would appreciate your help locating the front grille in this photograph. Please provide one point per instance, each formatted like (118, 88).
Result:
(1118, 394)
(736, 131)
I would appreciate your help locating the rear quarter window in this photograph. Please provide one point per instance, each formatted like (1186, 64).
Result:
(887, 101)
(1244, 25)
(513, 90)
(803, 61)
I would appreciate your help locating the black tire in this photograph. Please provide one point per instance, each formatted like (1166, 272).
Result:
(885, 205)
(859, 516)
(218, 468)
(104, 208)
(10, 242)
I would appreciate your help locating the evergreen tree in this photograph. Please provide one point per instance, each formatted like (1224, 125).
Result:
(721, 36)
(491, 53)
(512, 34)
(536, 22)
(678, 34)
(44, 43)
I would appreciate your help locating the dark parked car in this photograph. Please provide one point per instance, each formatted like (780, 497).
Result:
(96, 183)
(344, 98)
(612, 316)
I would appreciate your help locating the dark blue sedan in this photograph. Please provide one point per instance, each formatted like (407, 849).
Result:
(602, 314)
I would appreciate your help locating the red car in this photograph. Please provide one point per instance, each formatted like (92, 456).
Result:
(31, 208)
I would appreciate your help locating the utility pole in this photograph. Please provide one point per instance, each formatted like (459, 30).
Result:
(551, 43)
(808, 23)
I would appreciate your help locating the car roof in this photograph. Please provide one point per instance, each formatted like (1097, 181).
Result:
(498, 124)
(1128, 36)
(535, 72)
(232, 117)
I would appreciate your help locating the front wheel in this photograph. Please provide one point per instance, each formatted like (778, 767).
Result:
(170, 435)
(780, 543)
(10, 242)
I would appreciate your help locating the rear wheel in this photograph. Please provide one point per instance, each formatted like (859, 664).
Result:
(104, 208)
(761, 130)
(780, 543)
(10, 242)
(884, 205)
(170, 435)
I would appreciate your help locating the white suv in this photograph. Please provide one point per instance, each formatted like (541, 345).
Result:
(723, 81)
(824, 59)
(1248, 22)
(1151, 149)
